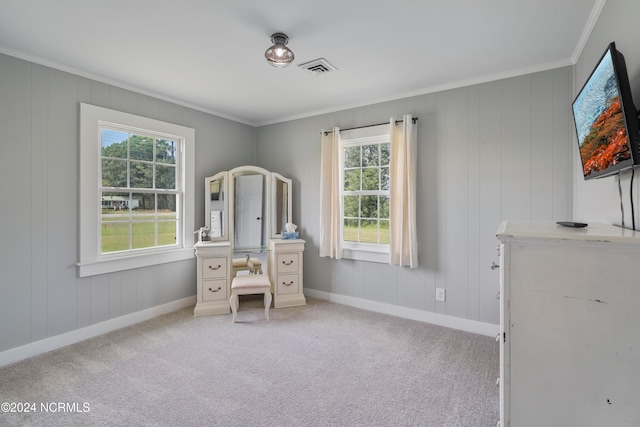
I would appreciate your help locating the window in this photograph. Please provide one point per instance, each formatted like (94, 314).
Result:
(364, 196)
(136, 191)
(368, 193)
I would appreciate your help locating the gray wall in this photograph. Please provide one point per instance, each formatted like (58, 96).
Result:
(599, 200)
(40, 294)
(489, 152)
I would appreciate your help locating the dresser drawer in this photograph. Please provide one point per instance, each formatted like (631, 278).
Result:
(287, 263)
(214, 290)
(214, 268)
(287, 284)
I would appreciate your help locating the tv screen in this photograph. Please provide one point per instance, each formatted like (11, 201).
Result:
(605, 119)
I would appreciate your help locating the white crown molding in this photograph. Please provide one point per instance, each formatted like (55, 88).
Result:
(428, 90)
(81, 73)
(588, 28)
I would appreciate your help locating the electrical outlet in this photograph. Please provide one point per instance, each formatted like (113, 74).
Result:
(440, 294)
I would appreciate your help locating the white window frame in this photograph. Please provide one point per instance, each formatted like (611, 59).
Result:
(92, 261)
(370, 252)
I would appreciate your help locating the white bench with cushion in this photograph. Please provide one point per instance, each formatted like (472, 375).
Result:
(248, 285)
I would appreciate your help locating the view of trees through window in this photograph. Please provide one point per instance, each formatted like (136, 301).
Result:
(138, 190)
(366, 193)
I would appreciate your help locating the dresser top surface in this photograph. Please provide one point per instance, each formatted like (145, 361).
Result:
(594, 232)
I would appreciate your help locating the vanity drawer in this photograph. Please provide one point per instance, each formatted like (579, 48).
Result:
(214, 290)
(213, 268)
(287, 284)
(287, 263)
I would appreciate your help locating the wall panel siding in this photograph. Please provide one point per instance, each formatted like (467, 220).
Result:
(474, 202)
(15, 227)
(39, 202)
(490, 196)
(40, 294)
(456, 198)
(487, 152)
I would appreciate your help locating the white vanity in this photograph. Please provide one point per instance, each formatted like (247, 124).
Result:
(246, 209)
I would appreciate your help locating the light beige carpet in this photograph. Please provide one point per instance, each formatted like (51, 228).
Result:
(323, 364)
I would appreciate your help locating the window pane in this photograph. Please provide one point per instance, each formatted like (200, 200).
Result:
(370, 179)
(115, 237)
(352, 157)
(166, 177)
(167, 233)
(114, 143)
(114, 173)
(167, 206)
(143, 203)
(141, 148)
(144, 234)
(384, 232)
(166, 151)
(115, 206)
(370, 155)
(384, 178)
(369, 207)
(350, 232)
(141, 175)
(384, 206)
(369, 231)
(351, 206)
(167, 225)
(352, 180)
(385, 150)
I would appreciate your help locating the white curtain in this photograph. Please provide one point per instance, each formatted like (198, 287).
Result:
(402, 193)
(330, 195)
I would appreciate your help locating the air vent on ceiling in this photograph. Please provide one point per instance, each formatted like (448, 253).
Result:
(318, 66)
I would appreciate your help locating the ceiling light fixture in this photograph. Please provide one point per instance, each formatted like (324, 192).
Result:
(279, 55)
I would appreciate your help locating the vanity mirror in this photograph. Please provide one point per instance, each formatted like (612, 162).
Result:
(249, 208)
(216, 206)
(281, 208)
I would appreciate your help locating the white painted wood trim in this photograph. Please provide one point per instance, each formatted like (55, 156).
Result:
(52, 343)
(458, 323)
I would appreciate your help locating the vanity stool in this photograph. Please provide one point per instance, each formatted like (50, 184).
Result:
(248, 285)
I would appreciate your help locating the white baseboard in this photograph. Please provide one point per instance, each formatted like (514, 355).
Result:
(467, 325)
(52, 343)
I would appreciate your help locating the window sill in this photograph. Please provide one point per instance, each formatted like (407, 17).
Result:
(367, 255)
(94, 268)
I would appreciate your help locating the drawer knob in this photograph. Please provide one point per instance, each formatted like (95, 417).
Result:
(287, 263)
(494, 266)
(288, 284)
(215, 290)
(214, 268)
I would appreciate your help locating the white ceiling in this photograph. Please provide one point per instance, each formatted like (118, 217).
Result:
(209, 54)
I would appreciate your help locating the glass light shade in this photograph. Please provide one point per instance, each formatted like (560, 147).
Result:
(279, 55)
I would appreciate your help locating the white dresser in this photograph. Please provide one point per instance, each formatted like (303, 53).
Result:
(285, 272)
(570, 325)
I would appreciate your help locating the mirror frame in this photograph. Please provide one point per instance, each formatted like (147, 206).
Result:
(275, 177)
(207, 204)
(271, 180)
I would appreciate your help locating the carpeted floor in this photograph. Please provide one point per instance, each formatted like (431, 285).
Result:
(323, 364)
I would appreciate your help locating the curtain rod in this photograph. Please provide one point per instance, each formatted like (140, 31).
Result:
(413, 119)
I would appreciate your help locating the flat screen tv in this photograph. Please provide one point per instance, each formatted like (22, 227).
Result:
(606, 120)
